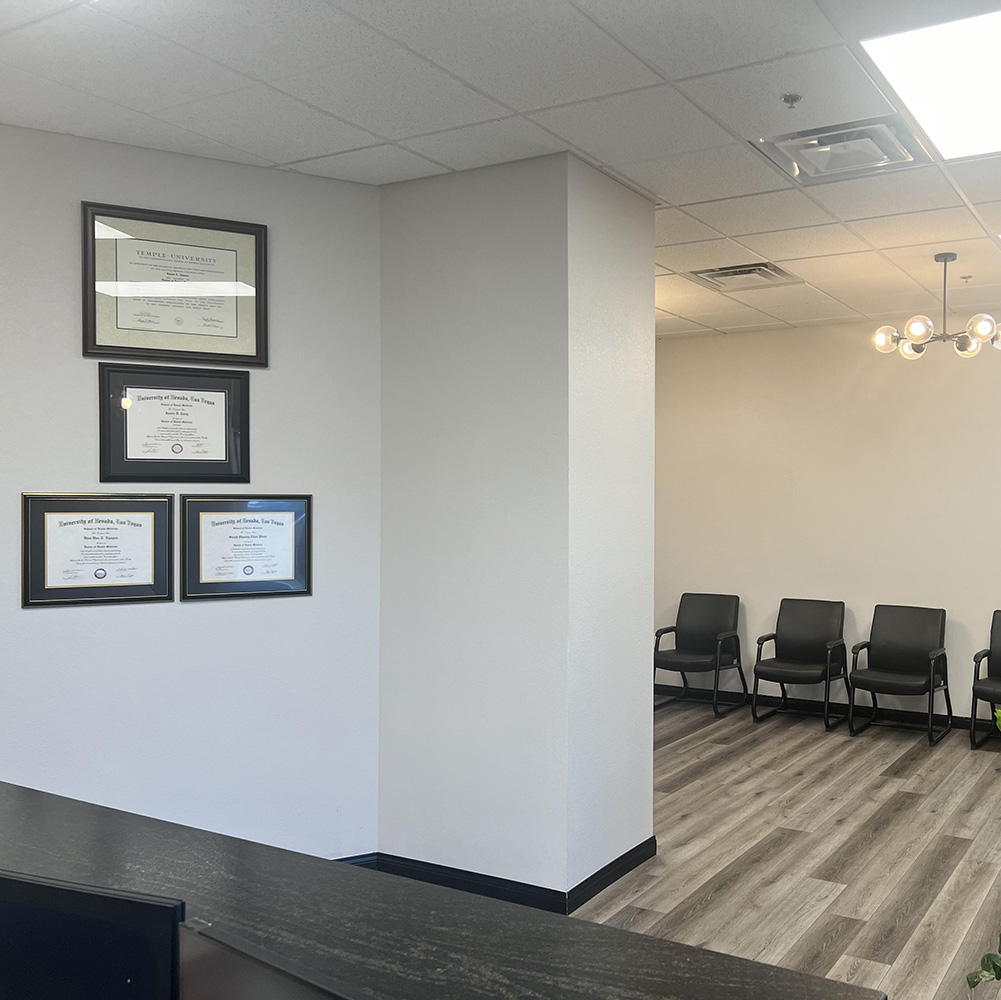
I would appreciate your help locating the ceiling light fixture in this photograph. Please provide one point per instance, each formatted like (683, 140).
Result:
(919, 331)
(956, 104)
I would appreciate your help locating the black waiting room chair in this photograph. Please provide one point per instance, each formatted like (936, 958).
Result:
(705, 639)
(809, 649)
(905, 656)
(987, 688)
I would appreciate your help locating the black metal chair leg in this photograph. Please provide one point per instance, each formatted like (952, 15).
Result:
(717, 711)
(934, 737)
(754, 703)
(852, 728)
(680, 697)
(975, 744)
(838, 719)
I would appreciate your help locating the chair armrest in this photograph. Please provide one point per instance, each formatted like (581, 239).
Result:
(724, 637)
(978, 659)
(856, 649)
(933, 657)
(762, 639)
(831, 647)
(659, 633)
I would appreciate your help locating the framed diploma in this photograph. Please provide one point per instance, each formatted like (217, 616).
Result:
(173, 287)
(245, 546)
(174, 425)
(92, 548)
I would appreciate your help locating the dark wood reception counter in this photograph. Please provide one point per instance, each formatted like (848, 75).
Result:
(357, 933)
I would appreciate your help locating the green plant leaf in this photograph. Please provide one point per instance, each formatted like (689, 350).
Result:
(991, 962)
(997, 722)
(974, 979)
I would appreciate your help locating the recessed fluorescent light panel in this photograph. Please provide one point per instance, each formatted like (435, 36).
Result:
(947, 75)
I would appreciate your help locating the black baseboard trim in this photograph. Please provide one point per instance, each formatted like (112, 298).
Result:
(810, 707)
(537, 896)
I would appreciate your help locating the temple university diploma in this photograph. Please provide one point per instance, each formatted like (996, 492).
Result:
(170, 426)
(247, 547)
(98, 550)
(190, 307)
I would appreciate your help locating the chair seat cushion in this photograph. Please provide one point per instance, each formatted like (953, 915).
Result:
(890, 681)
(790, 671)
(679, 659)
(988, 688)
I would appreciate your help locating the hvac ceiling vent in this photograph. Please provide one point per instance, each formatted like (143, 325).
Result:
(743, 277)
(840, 152)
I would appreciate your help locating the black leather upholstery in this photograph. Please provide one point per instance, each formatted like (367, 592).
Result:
(680, 659)
(705, 639)
(902, 637)
(809, 649)
(987, 688)
(702, 617)
(906, 656)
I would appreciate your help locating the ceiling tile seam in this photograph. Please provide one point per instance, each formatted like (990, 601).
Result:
(45, 17)
(761, 62)
(737, 302)
(423, 58)
(310, 159)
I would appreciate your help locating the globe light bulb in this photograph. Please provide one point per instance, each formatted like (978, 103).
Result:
(919, 329)
(885, 339)
(982, 328)
(911, 351)
(966, 346)
(996, 341)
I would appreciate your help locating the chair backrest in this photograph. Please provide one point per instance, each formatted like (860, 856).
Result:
(902, 637)
(994, 660)
(701, 617)
(806, 627)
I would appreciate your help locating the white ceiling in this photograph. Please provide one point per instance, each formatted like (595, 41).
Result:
(662, 94)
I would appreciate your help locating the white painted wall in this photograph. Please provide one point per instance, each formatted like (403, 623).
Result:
(611, 366)
(256, 718)
(491, 758)
(805, 464)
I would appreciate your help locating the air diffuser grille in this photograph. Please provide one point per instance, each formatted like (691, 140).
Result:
(743, 277)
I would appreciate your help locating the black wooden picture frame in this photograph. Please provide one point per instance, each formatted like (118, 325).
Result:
(94, 548)
(246, 546)
(173, 425)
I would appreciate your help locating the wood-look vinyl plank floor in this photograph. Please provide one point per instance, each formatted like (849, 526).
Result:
(873, 860)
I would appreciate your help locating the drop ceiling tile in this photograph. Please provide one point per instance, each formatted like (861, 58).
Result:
(630, 128)
(391, 92)
(14, 13)
(811, 241)
(657, 269)
(793, 303)
(990, 212)
(737, 318)
(674, 226)
(979, 259)
(685, 334)
(263, 39)
(864, 19)
(33, 102)
(758, 213)
(269, 124)
(378, 165)
(895, 309)
(685, 37)
(845, 275)
(108, 58)
(527, 53)
(666, 323)
(919, 228)
(707, 174)
(982, 298)
(915, 189)
(695, 256)
(472, 146)
(980, 179)
(680, 296)
(834, 87)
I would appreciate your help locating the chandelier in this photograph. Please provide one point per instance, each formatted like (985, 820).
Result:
(919, 331)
